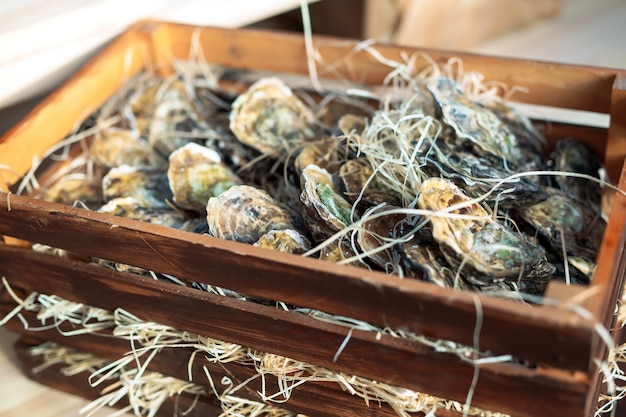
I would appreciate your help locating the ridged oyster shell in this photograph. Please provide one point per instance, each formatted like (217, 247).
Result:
(244, 213)
(269, 116)
(490, 250)
(196, 174)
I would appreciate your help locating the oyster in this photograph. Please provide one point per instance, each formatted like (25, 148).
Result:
(175, 120)
(132, 208)
(468, 236)
(324, 153)
(363, 185)
(376, 237)
(196, 174)
(475, 123)
(147, 185)
(287, 240)
(564, 222)
(327, 211)
(74, 188)
(423, 259)
(269, 117)
(244, 214)
(479, 174)
(572, 155)
(114, 147)
(339, 251)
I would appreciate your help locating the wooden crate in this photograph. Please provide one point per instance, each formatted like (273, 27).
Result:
(562, 343)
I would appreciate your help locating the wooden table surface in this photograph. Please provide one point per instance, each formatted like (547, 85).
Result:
(586, 33)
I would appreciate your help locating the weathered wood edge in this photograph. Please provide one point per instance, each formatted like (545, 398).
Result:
(551, 84)
(374, 297)
(395, 361)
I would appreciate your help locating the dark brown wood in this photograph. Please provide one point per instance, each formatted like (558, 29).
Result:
(322, 399)
(611, 273)
(385, 359)
(374, 297)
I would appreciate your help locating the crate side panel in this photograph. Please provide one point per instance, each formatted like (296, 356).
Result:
(61, 112)
(549, 84)
(313, 398)
(411, 304)
(298, 336)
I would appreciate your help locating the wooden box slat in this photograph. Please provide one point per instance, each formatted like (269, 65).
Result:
(373, 297)
(316, 399)
(385, 359)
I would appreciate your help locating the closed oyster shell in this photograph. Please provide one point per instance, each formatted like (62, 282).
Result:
(244, 214)
(114, 147)
(196, 174)
(287, 240)
(491, 251)
(327, 211)
(475, 123)
(269, 116)
(148, 185)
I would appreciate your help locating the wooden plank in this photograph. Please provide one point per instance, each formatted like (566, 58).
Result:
(386, 359)
(616, 142)
(566, 338)
(315, 398)
(549, 84)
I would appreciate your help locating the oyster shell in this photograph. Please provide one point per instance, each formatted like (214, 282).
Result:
(147, 185)
(362, 184)
(244, 214)
(491, 251)
(561, 219)
(327, 211)
(269, 117)
(475, 123)
(114, 147)
(287, 240)
(572, 155)
(132, 208)
(196, 174)
(175, 120)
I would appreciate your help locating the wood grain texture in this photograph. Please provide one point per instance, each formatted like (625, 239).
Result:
(374, 297)
(295, 335)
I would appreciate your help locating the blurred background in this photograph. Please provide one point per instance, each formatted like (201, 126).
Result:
(42, 43)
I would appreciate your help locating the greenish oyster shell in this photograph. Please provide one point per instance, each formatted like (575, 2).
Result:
(244, 213)
(489, 250)
(269, 117)
(475, 123)
(562, 220)
(327, 212)
(148, 185)
(196, 174)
